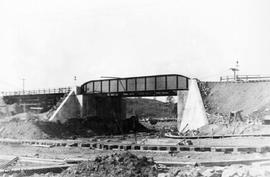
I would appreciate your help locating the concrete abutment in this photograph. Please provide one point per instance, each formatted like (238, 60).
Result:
(191, 113)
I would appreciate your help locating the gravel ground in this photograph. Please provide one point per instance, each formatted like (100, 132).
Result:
(184, 157)
(75, 152)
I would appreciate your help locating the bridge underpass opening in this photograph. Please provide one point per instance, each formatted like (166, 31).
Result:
(115, 89)
(151, 107)
(104, 98)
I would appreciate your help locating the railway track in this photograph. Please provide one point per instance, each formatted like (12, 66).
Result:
(120, 146)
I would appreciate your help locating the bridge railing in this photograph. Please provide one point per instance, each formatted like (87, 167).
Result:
(38, 92)
(243, 78)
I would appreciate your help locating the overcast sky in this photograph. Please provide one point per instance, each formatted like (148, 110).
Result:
(48, 42)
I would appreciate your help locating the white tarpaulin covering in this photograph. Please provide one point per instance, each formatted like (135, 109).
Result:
(194, 115)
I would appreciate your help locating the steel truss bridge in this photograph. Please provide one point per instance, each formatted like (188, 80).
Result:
(156, 85)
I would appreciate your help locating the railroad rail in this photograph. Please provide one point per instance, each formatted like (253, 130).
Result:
(118, 146)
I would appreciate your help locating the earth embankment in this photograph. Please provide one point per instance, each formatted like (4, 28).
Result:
(226, 97)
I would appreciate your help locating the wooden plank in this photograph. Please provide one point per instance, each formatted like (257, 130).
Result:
(9, 163)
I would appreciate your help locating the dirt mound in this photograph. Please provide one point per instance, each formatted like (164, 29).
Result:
(225, 97)
(121, 165)
(24, 126)
(35, 126)
(21, 130)
(33, 129)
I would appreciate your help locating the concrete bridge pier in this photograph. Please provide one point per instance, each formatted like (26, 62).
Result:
(181, 102)
(69, 108)
(191, 113)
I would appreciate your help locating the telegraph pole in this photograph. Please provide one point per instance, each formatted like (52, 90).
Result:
(75, 80)
(23, 82)
(75, 84)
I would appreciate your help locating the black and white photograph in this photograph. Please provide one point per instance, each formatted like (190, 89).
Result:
(134, 88)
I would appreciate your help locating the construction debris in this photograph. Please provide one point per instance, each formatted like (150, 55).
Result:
(185, 143)
(17, 125)
(230, 171)
(120, 165)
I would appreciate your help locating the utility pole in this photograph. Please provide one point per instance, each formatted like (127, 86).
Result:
(23, 82)
(75, 81)
(75, 84)
(75, 78)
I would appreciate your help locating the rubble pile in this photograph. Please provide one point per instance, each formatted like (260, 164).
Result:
(229, 171)
(232, 123)
(120, 165)
(260, 114)
(234, 116)
(225, 124)
(217, 118)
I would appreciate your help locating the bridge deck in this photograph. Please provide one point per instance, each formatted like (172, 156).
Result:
(38, 92)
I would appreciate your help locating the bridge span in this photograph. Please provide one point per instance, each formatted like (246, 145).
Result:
(157, 85)
(103, 99)
(42, 100)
